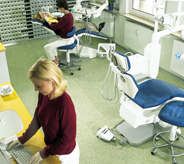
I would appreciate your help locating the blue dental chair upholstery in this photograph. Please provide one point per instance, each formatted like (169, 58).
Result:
(155, 92)
(91, 33)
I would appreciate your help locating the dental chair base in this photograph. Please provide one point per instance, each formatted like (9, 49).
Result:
(87, 52)
(140, 135)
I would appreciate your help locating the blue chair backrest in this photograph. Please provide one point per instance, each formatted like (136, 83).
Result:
(71, 33)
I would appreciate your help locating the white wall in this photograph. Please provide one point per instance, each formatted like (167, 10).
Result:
(4, 73)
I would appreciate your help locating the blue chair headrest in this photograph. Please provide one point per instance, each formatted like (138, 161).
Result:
(71, 33)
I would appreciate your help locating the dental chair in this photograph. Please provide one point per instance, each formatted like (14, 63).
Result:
(141, 102)
(149, 108)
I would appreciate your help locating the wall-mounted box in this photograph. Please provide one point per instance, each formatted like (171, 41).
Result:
(177, 59)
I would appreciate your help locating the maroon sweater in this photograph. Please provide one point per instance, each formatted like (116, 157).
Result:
(64, 25)
(57, 117)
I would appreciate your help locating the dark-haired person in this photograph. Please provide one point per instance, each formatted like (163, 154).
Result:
(63, 26)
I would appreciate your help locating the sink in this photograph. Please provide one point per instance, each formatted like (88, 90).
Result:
(10, 123)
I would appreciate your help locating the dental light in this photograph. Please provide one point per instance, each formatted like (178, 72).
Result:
(89, 12)
(78, 4)
(46, 9)
(166, 20)
(172, 24)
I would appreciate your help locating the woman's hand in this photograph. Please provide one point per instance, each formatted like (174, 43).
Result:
(47, 20)
(49, 15)
(35, 159)
(13, 144)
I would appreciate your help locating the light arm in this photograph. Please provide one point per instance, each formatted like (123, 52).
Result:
(98, 12)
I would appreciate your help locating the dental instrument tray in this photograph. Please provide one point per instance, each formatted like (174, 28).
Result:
(6, 90)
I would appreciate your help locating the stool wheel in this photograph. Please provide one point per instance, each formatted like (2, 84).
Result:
(177, 137)
(123, 141)
(79, 68)
(71, 73)
(174, 161)
(157, 138)
(153, 151)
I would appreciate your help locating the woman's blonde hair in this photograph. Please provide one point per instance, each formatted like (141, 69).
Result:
(37, 16)
(47, 70)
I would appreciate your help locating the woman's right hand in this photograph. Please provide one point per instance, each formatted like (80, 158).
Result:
(13, 144)
(48, 14)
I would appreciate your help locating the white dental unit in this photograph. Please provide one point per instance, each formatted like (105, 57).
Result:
(85, 13)
(131, 73)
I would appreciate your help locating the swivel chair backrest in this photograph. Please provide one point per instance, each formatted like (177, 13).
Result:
(72, 45)
(72, 32)
(126, 82)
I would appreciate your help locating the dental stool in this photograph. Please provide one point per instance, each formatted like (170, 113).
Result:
(173, 114)
(67, 48)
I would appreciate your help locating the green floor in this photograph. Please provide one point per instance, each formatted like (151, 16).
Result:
(93, 111)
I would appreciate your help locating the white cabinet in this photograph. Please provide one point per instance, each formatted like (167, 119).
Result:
(4, 73)
(119, 28)
(136, 36)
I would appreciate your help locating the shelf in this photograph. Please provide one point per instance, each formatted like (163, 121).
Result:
(146, 22)
(114, 11)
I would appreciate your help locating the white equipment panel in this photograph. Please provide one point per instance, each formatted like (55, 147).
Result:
(177, 59)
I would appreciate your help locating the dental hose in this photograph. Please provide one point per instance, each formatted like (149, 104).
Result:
(116, 94)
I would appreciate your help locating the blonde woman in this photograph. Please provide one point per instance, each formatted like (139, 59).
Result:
(55, 113)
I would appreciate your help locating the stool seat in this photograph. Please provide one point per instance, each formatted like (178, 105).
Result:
(173, 113)
(68, 47)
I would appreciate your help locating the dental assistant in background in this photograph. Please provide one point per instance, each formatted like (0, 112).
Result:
(64, 26)
(79, 24)
(55, 113)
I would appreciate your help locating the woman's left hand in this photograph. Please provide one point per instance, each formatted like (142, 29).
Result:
(47, 20)
(35, 159)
